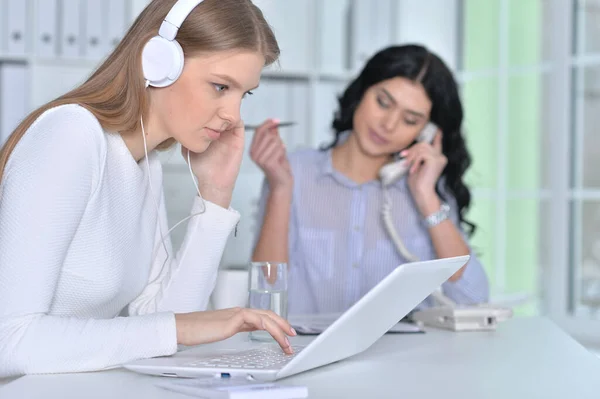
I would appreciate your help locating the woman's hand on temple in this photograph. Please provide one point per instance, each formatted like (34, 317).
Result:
(211, 326)
(269, 153)
(218, 167)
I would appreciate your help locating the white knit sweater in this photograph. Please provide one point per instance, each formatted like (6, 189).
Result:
(80, 288)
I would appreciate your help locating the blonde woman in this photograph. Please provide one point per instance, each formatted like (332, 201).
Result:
(87, 278)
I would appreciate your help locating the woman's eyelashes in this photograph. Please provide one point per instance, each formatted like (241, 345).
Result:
(222, 88)
(383, 103)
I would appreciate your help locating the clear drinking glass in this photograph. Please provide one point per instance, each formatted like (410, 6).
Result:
(267, 285)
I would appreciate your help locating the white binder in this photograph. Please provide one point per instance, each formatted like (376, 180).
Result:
(268, 101)
(290, 21)
(274, 100)
(115, 22)
(94, 46)
(333, 41)
(298, 111)
(431, 23)
(371, 30)
(70, 36)
(327, 104)
(250, 106)
(13, 97)
(137, 6)
(46, 38)
(16, 24)
(3, 28)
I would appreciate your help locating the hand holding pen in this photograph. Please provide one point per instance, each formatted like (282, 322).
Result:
(279, 124)
(269, 153)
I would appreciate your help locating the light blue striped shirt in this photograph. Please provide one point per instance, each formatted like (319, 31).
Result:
(338, 246)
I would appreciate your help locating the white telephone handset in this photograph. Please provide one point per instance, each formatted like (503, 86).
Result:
(394, 170)
(390, 173)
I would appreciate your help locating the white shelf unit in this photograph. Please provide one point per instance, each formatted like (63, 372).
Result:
(49, 46)
(324, 43)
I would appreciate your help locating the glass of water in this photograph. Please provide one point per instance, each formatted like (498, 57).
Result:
(267, 284)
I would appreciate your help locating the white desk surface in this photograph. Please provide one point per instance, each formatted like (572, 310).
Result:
(524, 358)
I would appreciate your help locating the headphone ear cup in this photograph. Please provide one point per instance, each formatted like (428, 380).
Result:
(162, 61)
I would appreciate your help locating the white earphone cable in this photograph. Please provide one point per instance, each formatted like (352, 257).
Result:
(194, 181)
(154, 200)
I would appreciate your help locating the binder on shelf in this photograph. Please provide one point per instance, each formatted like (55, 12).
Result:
(291, 21)
(70, 32)
(295, 137)
(325, 107)
(50, 80)
(16, 27)
(116, 22)
(136, 7)
(371, 28)
(94, 43)
(269, 101)
(432, 24)
(3, 27)
(46, 38)
(13, 97)
(334, 32)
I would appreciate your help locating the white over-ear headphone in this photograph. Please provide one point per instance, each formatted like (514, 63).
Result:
(162, 57)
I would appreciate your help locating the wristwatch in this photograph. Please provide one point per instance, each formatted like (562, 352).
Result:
(438, 217)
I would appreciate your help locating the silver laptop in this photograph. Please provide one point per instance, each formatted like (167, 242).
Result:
(353, 332)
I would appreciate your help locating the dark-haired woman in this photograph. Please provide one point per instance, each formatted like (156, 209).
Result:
(321, 209)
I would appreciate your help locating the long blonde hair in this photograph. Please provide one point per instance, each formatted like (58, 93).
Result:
(115, 93)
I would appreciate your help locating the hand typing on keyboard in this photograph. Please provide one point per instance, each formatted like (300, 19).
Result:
(256, 358)
(205, 327)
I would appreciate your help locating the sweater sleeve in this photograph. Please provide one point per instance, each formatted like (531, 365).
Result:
(184, 282)
(48, 182)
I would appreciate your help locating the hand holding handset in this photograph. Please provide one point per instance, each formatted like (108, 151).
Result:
(390, 173)
(394, 170)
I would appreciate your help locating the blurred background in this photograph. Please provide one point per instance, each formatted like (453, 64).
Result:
(529, 72)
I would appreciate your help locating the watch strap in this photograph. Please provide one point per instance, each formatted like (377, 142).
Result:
(438, 217)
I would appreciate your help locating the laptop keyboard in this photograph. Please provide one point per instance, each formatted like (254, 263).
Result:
(257, 358)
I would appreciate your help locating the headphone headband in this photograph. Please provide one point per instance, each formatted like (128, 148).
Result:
(180, 11)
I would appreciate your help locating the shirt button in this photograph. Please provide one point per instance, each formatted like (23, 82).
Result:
(357, 228)
(355, 265)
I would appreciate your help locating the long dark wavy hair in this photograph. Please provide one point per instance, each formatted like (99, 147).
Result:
(418, 64)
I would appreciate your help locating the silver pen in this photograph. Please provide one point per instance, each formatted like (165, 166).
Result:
(281, 124)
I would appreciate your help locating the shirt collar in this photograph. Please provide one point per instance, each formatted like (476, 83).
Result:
(325, 169)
